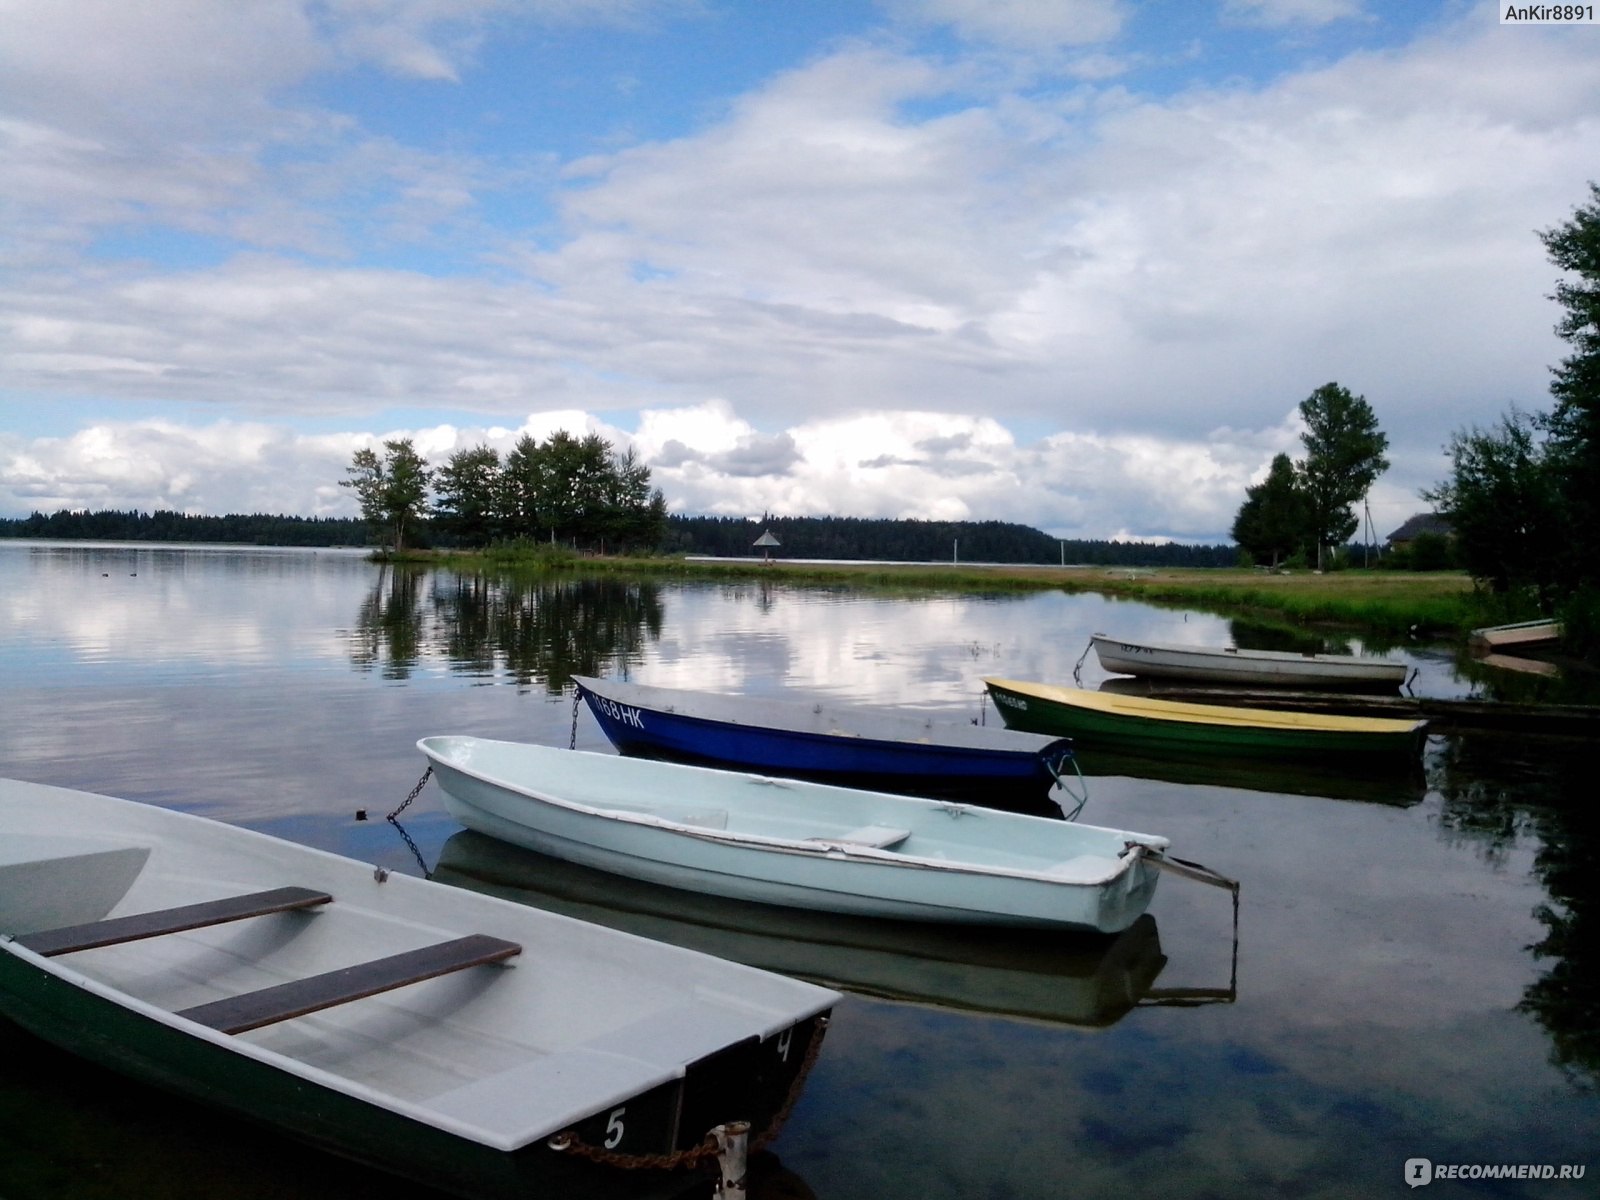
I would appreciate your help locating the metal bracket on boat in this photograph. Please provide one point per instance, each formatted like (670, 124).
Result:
(1054, 767)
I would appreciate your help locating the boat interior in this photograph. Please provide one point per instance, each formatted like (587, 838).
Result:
(496, 1021)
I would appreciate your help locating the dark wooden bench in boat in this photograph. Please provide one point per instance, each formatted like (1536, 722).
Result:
(70, 939)
(284, 1001)
(299, 997)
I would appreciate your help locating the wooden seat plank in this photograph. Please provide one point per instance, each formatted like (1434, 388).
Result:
(71, 938)
(297, 998)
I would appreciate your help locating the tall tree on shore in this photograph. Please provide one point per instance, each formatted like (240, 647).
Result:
(1274, 521)
(1503, 502)
(1574, 425)
(392, 491)
(1344, 455)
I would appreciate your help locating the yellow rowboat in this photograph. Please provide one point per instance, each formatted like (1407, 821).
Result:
(1110, 719)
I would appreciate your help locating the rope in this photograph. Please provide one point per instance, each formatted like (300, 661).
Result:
(1202, 874)
(568, 1142)
(1078, 666)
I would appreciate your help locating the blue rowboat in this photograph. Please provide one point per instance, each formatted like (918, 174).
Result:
(851, 746)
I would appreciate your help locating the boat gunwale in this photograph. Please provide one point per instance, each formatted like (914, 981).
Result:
(827, 848)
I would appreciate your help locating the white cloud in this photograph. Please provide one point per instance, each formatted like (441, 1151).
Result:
(1022, 24)
(1277, 14)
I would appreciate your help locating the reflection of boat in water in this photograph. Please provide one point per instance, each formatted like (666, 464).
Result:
(1401, 788)
(1085, 980)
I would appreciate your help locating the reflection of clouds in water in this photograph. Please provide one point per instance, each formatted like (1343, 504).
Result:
(931, 651)
(164, 613)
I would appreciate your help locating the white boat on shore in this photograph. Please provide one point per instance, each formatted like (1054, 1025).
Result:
(479, 1046)
(1253, 668)
(798, 843)
(1523, 635)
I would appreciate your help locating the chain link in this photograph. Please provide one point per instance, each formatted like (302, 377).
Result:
(577, 698)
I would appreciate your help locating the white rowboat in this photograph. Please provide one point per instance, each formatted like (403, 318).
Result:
(435, 1032)
(1247, 667)
(803, 844)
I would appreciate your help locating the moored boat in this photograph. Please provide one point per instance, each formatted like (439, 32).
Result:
(478, 1046)
(1113, 719)
(1228, 665)
(798, 843)
(1523, 635)
(851, 745)
(1081, 980)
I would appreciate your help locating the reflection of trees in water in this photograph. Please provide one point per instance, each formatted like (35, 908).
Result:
(387, 632)
(540, 631)
(1291, 639)
(1500, 789)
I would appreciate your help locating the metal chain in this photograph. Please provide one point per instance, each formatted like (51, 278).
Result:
(577, 697)
(415, 792)
(392, 818)
(569, 1142)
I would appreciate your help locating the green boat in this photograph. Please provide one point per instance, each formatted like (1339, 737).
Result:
(1138, 722)
(481, 1047)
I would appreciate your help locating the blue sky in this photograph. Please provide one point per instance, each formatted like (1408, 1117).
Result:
(1073, 263)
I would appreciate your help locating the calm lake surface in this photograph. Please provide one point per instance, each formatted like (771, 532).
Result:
(1417, 954)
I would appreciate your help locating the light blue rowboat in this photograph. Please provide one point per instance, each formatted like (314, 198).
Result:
(798, 843)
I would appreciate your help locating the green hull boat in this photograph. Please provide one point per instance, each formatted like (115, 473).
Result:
(1137, 722)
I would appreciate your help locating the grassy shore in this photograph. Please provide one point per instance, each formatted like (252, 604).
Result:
(1396, 603)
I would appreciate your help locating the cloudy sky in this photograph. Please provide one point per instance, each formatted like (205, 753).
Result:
(1072, 263)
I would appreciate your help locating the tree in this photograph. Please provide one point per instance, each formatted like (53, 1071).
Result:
(1344, 454)
(1503, 500)
(1274, 521)
(467, 503)
(393, 491)
(1574, 425)
(522, 489)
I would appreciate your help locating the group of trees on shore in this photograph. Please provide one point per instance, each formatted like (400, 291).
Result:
(1523, 496)
(565, 490)
(722, 537)
(165, 525)
(1303, 509)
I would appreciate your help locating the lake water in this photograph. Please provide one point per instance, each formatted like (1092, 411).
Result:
(1417, 956)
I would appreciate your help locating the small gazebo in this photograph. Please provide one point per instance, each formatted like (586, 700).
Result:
(766, 541)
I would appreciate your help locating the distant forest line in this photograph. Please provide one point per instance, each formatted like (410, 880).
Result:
(849, 538)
